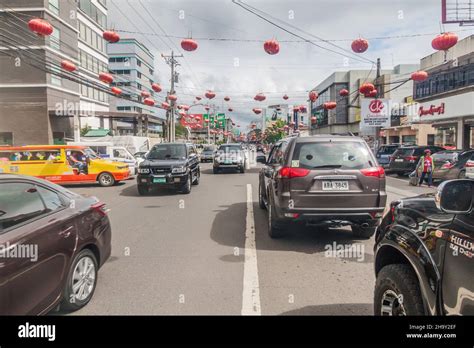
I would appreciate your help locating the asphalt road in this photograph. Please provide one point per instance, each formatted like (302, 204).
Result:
(185, 254)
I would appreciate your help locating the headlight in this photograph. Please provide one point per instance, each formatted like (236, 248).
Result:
(144, 170)
(178, 170)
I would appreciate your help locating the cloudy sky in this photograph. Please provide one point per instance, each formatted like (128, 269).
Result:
(238, 67)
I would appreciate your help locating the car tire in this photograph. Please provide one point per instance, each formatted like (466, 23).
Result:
(242, 169)
(395, 280)
(70, 302)
(106, 179)
(275, 228)
(261, 202)
(215, 170)
(143, 190)
(197, 178)
(462, 174)
(363, 232)
(186, 189)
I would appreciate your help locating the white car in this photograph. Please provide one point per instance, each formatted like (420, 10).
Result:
(470, 167)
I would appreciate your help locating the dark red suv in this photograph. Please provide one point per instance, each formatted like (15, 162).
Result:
(52, 244)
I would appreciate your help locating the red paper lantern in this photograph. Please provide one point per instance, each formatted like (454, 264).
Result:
(343, 92)
(296, 108)
(285, 97)
(165, 105)
(210, 94)
(372, 94)
(145, 94)
(207, 108)
(116, 91)
(107, 78)
(313, 119)
(226, 98)
(257, 110)
(182, 113)
(444, 41)
(149, 102)
(285, 127)
(230, 109)
(260, 97)
(67, 65)
(313, 96)
(111, 36)
(40, 27)
(186, 107)
(419, 75)
(156, 87)
(329, 105)
(172, 97)
(271, 46)
(198, 98)
(302, 108)
(189, 45)
(366, 88)
(360, 45)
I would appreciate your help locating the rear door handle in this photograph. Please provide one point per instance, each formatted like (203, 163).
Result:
(66, 232)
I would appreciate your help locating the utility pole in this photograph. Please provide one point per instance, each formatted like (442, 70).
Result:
(380, 94)
(172, 62)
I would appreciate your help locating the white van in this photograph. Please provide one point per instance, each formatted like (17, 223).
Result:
(107, 150)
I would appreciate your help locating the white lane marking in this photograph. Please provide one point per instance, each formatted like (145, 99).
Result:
(251, 289)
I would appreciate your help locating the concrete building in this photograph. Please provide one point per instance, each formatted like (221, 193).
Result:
(446, 98)
(36, 105)
(132, 63)
(346, 116)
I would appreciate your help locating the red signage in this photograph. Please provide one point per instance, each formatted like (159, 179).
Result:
(431, 110)
(376, 106)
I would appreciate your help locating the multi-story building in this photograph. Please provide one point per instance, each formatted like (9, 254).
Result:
(38, 104)
(132, 64)
(446, 98)
(346, 116)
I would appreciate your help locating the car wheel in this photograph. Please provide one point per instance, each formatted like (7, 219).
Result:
(275, 228)
(363, 232)
(197, 178)
(143, 190)
(106, 179)
(462, 174)
(215, 170)
(242, 169)
(397, 292)
(261, 202)
(187, 186)
(81, 281)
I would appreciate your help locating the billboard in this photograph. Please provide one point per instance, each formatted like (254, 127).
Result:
(375, 113)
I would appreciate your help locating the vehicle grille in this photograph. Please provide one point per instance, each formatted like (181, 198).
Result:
(160, 170)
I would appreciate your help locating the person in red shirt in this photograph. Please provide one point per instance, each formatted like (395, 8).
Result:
(427, 167)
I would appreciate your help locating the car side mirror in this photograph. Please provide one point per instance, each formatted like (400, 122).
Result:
(455, 196)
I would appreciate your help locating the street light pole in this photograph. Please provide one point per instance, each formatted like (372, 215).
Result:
(172, 62)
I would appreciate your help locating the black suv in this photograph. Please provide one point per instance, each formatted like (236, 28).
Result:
(404, 160)
(424, 254)
(169, 165)
(323, 180)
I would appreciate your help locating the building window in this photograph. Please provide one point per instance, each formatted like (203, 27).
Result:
(55, 79)
(139, 75)
(139, 62)
(54, 6)
(139, 86)
(82, 31)
(124, 108)
(445, 136)
(55, 39)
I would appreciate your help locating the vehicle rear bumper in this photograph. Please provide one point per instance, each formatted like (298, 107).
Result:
(223, 166)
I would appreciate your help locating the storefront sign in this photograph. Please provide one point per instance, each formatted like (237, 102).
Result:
(432, 110)
(375, 113)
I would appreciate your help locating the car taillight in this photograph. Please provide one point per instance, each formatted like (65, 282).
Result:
(469, 164)
(289, 172)
(100, 207)
(411, 158)
(377, 172)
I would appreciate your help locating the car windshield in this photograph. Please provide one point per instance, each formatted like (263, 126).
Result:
(167, 152)
(404, 152)
(230, 148)
(344, 155)
(91, 153)
(387, 150)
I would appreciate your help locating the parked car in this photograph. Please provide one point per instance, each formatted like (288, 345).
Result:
(207, 154)
(469, 166)
(323, 180)
(260, 157)
(52, 245)
(169, 165)
(384, 152)
(404, 159)
(229, 156)
(450, 164)
(424, 254)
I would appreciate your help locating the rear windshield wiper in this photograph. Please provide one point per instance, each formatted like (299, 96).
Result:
(328, 166)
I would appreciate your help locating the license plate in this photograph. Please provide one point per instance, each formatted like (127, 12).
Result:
(335, 185)
(399, 160)
(159, 180)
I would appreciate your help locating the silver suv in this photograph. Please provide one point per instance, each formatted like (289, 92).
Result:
(324, 180)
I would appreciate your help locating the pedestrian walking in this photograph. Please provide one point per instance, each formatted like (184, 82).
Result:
(427, 167)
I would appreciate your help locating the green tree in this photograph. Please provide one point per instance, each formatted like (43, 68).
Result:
(275, 132)
(85, 129)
